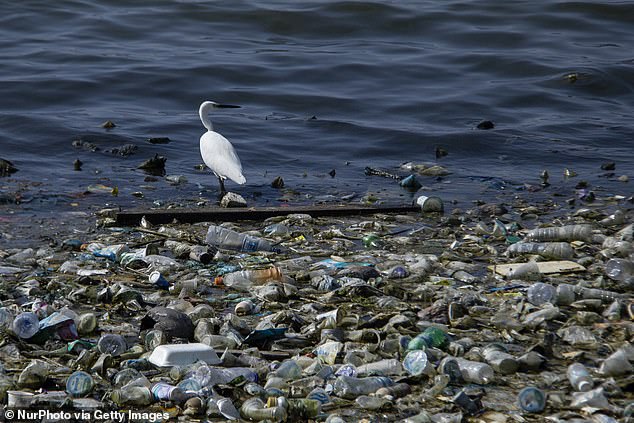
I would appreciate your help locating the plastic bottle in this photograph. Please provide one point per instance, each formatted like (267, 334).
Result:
(551, 250)
(112, 344)
(227, 239)
(565, 294)
(319, 394)
(288, 370)
(563, 233)
(165, 392)
(475, 372)
(579, 377)
(621, 270)
(254, 410)
(132, 395)
(387, 367)
(396, 391)
(532, 399)
(431, 337)
(245, 279)
(498, 358)
(349, 387)
(415, 362)
(79, 384)
(26, 325)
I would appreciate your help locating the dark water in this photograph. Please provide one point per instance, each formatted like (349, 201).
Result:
(388, 82)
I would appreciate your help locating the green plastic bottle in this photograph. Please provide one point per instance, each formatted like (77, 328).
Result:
(431, 337)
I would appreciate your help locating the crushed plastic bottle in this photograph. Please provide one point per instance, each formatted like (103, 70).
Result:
(227, 239)
(563, 233)
(550, 250)
(245, 279)
(352, 387)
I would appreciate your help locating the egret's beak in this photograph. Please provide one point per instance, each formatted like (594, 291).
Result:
(226, 106)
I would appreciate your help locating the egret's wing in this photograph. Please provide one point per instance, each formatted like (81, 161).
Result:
(220, 156)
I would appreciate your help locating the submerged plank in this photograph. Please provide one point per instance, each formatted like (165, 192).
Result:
(133, 217)
(545, 267)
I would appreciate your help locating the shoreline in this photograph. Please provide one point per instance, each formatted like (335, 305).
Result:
(447, 284)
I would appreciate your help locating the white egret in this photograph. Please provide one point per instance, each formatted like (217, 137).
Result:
(216, 151)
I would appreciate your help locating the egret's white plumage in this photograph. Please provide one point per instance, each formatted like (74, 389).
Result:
(216, 151)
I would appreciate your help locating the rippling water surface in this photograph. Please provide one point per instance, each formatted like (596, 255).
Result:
(328, 85)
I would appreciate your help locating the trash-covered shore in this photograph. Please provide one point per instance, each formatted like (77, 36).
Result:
(498, 313)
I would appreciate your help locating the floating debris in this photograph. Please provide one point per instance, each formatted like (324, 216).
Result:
(486, 124)
(278, 182)
(6, 168)
(154, 166)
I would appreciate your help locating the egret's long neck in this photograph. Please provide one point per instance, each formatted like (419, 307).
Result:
(204, 117)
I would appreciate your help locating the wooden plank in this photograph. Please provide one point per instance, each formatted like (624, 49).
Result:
(545, 267)
(133, 217)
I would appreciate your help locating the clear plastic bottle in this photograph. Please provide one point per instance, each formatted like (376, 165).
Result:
(621, 270)
(415, 362)
(26, 325)
(132, 395)
(227, 239)
(112, 344)
(579, 377)
(254, 410)
(245, 279)
(288, 370)
(397, 391)
(498, 358)
(166, 392)
(563, 233)
(387, 367)
(349, 387)
(79, 384)
(532, 399)
(550, 250)
(565, 294)
(475, 372)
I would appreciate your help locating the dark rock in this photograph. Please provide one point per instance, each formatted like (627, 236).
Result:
(108, 124)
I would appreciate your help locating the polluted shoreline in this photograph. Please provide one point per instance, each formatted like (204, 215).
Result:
(501, 312)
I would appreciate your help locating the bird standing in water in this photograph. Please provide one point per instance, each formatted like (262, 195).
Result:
(216, 151)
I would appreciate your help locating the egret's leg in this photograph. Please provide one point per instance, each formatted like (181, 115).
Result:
(222, 185)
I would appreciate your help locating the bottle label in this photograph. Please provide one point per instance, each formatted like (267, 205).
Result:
(249, 244)
(162, 391)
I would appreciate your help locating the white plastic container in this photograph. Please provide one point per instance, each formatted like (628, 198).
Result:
(183, 354)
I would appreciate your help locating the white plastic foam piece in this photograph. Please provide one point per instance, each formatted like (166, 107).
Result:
(183, 354)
